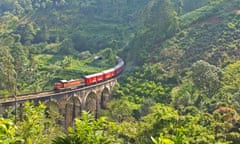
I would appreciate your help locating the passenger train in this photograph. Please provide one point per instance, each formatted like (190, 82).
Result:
(90, 79)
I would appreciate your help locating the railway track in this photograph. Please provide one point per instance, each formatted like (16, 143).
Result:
(47, 93)
(23, 97)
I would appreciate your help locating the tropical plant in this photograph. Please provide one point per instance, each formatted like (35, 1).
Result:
(89, 130)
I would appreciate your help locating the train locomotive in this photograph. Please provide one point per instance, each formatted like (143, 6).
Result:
(90, 79)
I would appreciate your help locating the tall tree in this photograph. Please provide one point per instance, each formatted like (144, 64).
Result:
(67, 47)
(206, 77)
(161, 16)
(42, 35)
(231, 78)
(7, 72)
(35, 127)
(89, 131)
(27, 33)
(163, 119)
(20, 57)
(231, 84)
(7, 132)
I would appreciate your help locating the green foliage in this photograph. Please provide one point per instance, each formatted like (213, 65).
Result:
(190, 5)
(206, 78)
(34, 127)
(7, 73)
(138, 89)
(209, 39)
(88, 130)
(162, 17)
(105, 58)
(7, 132)
(41, 41)
(231, 79)
(162, 119)
(202, 12)
(63, 27)
(148, 81)
(162, 140)
(27, 32)
(67, 47)
(42, 35)
(31, 127)
(122, 110)
(160, 22)
(184, 95)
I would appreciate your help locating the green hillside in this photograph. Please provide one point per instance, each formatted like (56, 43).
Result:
(181, 80)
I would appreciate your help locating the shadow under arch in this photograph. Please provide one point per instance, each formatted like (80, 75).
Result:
(53, 110)
(72, 110)
(91, 103)
(105, 96)
(16, 110)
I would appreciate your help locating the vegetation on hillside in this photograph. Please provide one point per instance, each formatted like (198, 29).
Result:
(181, 80)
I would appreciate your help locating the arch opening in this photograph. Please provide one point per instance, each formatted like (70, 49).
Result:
(73, 110)
(53, 111)
(105, 96)
(91, 104)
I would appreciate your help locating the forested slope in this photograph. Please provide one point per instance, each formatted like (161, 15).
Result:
(181, 80)
(187, 61)
(59, 39)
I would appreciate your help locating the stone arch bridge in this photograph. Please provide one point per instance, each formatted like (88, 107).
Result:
(68, 103)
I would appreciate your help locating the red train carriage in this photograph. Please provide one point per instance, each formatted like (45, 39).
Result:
(100, 77)
(91, 79)
(107, 74)
(94, 78)
(118, 68)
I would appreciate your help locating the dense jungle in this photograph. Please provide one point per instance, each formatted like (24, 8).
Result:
(180, 84)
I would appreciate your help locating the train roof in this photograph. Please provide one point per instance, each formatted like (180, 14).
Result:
(65, 81)
(92, 75)
(119, 64)
(109, 70)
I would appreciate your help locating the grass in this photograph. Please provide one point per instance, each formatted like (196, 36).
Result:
(52, 68)
(76, 66)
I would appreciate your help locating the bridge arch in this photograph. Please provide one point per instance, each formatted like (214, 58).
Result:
(91, 103)
(17, 108)
(72, 110)
(105, 96)
(52, 108)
